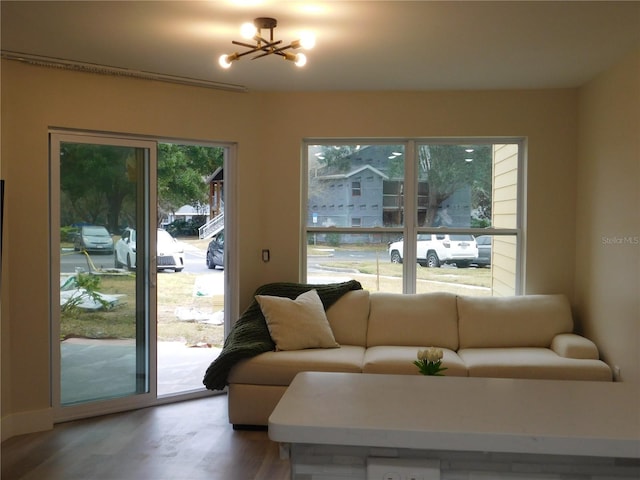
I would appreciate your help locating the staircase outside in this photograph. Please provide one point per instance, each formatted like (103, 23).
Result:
(212, 227)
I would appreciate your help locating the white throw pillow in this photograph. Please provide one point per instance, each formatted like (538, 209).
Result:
(297, 324)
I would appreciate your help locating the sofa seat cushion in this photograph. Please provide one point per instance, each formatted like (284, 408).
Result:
(279, 368)
(518, 321)
(525, 362)
(399, 360)
(429, 319)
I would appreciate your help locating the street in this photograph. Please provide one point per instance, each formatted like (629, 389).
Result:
(194, 260)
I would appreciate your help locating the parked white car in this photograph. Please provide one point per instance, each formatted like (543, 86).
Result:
(169, 252)
(125, 250)
(434, 250)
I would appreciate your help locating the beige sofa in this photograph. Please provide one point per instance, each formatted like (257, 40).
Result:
(516, 337)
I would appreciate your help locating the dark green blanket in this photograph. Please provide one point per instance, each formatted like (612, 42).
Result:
(249, 336)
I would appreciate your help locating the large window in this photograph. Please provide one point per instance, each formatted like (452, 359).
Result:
(459, 199)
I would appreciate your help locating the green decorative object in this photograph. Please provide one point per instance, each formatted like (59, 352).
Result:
(429, 362)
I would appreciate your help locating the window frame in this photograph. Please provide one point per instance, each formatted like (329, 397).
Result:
(410, 229)
(356, 188)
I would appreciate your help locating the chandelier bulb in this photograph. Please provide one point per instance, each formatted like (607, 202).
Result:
(224, 63)
(248, 30)
(307, 40)
(225, 60)
(301, 60)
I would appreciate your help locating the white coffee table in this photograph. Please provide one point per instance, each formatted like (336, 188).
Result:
(542, 417)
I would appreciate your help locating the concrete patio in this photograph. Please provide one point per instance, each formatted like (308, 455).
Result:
(94, 369)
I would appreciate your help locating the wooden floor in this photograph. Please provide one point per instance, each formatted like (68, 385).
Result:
(190, 440)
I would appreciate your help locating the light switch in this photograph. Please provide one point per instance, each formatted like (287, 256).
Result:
(266, 255)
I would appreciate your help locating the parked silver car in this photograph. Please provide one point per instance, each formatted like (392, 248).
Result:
(93, 238)
(484, 251)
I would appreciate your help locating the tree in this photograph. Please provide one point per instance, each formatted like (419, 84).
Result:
(98, 182)
(95, 181)
(181, 173)
(335, 159)
(446, 170)
(342, 158)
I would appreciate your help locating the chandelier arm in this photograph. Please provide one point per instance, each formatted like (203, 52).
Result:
(267, 49)
(259, 46)
(242, 44)
(269, 46)
(248, 52)
(259, 39)
(269, 52)
(281, 49)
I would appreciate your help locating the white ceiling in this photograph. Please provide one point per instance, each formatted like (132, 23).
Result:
(361, 45)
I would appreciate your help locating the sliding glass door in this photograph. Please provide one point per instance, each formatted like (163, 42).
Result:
(104, 346)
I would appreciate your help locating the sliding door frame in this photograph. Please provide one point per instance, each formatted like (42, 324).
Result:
(231, 281)
(145, 288)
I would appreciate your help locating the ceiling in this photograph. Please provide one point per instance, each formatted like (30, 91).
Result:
(360, 45)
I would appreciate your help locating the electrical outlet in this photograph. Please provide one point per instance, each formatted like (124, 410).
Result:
(381, 468)
(616, 373)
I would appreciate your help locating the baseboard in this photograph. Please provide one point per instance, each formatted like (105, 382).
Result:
(26, 422)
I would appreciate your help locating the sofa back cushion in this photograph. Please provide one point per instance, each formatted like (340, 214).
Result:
(348, 318)
(421, 319)
(519, 321)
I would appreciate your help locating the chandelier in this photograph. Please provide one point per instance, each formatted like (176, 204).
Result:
(264, 47)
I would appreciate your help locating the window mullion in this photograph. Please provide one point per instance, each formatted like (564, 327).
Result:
(410, 217)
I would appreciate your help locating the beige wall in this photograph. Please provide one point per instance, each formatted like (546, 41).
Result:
(608, 215)
(268, 128)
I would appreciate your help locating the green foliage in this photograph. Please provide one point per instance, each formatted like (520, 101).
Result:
(342, 158)
(429, 361)
(430, 368)
(98, 182)
(336, 158)
(182, 171)
(480, 223)
(445, 169)
(185, 228)
(333, 239)
(87, 286)
(95, 180)
(68, 234)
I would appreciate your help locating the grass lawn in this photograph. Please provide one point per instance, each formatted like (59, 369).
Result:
(174, 291)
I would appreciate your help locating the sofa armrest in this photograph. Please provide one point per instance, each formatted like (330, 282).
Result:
(571, 345)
